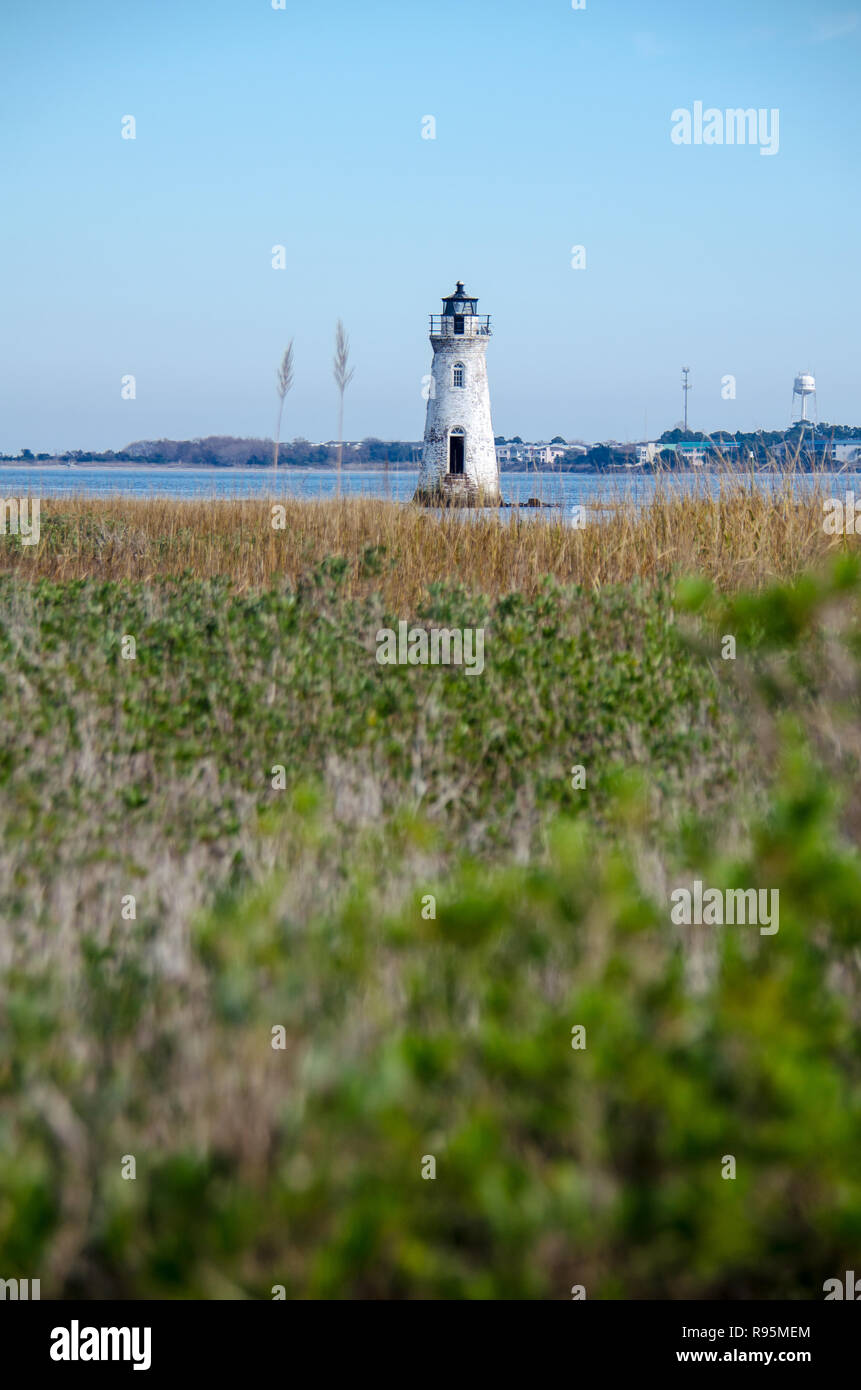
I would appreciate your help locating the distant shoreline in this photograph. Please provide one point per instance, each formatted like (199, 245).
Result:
(207, 467)
(299, 469)
(282, 468)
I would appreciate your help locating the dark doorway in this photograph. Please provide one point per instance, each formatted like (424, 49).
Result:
(455, 453)
(458, 324)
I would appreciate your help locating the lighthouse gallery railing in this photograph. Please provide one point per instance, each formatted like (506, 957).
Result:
(471, 326)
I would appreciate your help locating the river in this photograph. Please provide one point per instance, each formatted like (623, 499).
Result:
(560, 490)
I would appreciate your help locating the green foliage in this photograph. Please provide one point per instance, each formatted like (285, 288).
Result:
(240, 683)
(407, 1035)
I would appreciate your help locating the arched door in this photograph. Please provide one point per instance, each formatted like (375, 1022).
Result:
(456, 451)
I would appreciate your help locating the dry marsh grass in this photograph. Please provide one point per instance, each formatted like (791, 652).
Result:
(743, 536)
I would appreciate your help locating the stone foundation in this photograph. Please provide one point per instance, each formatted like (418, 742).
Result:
(456, 490)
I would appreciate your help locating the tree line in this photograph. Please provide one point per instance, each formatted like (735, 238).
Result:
(226, 451)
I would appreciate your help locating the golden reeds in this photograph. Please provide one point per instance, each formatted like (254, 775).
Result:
(743, 536)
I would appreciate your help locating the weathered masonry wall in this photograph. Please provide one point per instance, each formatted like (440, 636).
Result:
(464, 407)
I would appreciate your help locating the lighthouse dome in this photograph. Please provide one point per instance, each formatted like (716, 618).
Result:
(459, 302)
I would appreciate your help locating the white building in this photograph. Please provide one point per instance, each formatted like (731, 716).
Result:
(551, 453)
(532, 453)
(459, 457)
(647, 453)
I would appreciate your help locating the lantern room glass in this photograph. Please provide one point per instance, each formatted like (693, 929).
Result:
(459, 304)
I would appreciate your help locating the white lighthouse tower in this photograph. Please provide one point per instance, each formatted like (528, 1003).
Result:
(459, 460)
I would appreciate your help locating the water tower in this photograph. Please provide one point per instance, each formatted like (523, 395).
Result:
(459, 457)
(804, 390)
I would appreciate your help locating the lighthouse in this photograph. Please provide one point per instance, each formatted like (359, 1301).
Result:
(459, 459)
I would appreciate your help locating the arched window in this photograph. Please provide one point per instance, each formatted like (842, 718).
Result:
(459, 376)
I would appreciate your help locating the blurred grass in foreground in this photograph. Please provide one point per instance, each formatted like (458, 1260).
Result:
(408, 1036)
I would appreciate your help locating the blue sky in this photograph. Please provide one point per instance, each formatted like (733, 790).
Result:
(303, 127)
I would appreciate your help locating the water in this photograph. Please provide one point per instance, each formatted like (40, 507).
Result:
(142, 481)
(560, 490)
